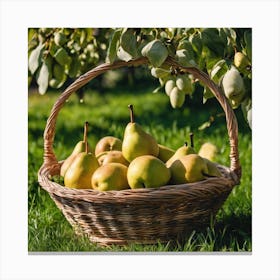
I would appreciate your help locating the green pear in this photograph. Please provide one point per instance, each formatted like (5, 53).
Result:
(177, 98)
(147, 172)
(241, 61)
(108, 143)
(111, 176)
(136, 142)
(188, 169)
(80, 171)
(213, 170)
(208, 150)
(233, 86)
(169, 85)
(180, 152)
(80, 147)
(165, 153)
(112, 156)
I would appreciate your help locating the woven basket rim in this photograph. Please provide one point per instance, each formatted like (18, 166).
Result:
(228, 181)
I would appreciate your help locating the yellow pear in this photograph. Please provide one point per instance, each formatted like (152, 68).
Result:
(136, 142)
(213, 170)
(112, 156)
(80, 147)
(147, 172)
(79, 173)
(111, 176)
(241, 61)
(182, 151)
(188, 169)
(208, 150)
(108, 143)
(165, 153)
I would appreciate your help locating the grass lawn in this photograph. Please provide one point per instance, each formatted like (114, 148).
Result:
(107, 114)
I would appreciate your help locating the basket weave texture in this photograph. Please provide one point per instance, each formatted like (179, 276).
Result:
(143, 216)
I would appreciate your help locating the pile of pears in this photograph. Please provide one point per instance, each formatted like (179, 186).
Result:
(136, 161)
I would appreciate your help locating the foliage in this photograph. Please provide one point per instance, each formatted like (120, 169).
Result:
(59, 54)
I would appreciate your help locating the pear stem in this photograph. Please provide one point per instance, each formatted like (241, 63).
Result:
(191, 137)
(186, 144)
(85, 135)
(130, 106)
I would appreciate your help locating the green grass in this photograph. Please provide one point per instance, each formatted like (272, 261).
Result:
(107, 113)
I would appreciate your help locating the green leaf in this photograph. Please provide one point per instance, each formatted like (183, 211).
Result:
(43, 78)
(204, 125)
(183, 57)
(113, 46)
(156, 52)
(212, 40)
(248, 43)
(62, 57)
(207, 94)
(123, 55)
(34, 58)
(129, 43)
(58, 72)
(218, 70)
(73, 70)
(196, 42)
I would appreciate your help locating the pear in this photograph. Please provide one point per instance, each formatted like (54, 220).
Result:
(136, 142)
(165, 153)
(169, 85)
(112, 156)
(79, 173)
(208, 150)
(182, 151)
(213, 170)
(177, 98)
(111, 176)
(80, 147)
(233, 86)
(241, 61)
(188, 169)
(147, 172)
(108, 143)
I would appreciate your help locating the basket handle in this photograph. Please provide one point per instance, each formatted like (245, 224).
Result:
(232, 127)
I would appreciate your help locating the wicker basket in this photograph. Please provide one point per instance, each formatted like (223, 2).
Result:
(143, 216)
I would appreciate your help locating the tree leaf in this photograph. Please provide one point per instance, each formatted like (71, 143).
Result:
(113, 46)
(218, 70)
(204, 125)
(156, 52)
(43, 79)
(129, 43)
(123, 55)
(62, 57)
(34, 58)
